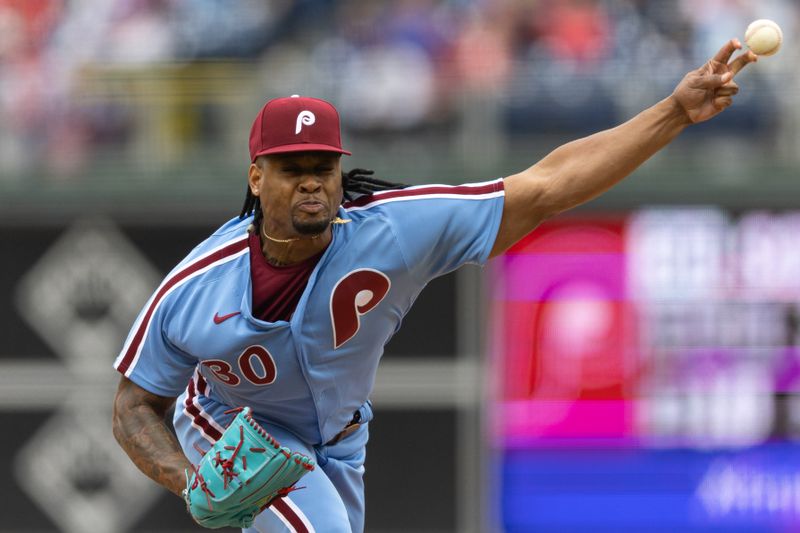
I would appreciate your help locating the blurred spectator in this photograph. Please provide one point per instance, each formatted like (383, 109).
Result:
(387, 79)
(573, 30)
(138, 32)
(482, 50)
(25, 27)
(224, 28)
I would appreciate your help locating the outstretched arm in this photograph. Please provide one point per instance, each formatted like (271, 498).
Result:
(581, 170)
(140, 428)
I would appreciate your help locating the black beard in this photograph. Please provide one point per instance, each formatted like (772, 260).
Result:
(314, 227)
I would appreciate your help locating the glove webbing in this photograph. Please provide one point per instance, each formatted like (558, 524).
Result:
(227, 464)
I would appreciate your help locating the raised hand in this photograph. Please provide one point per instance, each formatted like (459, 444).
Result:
(707, 91)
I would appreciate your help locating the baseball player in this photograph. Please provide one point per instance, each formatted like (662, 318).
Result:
(286, 308)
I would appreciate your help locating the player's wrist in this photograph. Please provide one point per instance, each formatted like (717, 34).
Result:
(177, 481)
(675, 111)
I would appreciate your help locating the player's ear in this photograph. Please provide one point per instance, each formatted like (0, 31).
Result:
(255, 175)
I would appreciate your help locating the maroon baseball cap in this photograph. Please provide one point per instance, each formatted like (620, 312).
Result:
(295, 124)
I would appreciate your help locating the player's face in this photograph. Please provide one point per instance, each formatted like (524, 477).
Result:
(300, 192)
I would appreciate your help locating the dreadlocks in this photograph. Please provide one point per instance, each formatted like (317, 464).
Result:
(355, 183)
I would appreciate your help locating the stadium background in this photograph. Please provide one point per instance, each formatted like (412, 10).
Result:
(630, 367)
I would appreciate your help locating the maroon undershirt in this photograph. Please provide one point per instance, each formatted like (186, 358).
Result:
(277, 290)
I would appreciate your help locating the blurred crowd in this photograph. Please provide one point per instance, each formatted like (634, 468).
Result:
(93, 79)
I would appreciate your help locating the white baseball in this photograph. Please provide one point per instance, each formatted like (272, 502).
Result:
(764, 37)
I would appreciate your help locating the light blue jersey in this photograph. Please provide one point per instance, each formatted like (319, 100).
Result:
(304, 379)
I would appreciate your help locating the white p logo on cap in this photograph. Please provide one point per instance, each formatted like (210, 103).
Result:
(305, 118)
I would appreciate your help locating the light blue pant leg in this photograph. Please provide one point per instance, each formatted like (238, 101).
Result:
(333, 498)
(316, 507)
(345, 469)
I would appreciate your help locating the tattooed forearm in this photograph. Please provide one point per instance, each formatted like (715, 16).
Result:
(141, 430)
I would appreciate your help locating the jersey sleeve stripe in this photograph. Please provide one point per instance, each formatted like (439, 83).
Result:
(291, 515)
(474, 191)
(222, 254)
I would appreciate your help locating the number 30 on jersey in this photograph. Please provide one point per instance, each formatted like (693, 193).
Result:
(255, 364)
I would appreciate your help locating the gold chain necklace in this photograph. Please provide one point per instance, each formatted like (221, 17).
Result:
(336, 220)
(284, 241)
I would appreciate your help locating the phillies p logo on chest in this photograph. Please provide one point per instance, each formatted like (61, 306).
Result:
(354, 295)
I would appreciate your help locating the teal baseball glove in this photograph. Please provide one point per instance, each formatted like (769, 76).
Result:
(241, 475)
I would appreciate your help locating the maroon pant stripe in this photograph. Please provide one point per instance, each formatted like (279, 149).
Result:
(288, 513)
(193, 410)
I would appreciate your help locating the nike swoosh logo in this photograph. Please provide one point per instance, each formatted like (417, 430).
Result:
(220, 319)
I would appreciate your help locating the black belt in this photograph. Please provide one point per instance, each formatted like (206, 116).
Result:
(349, 429)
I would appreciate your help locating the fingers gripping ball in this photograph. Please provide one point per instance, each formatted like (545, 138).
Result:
(241, 475)
(764, 37)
